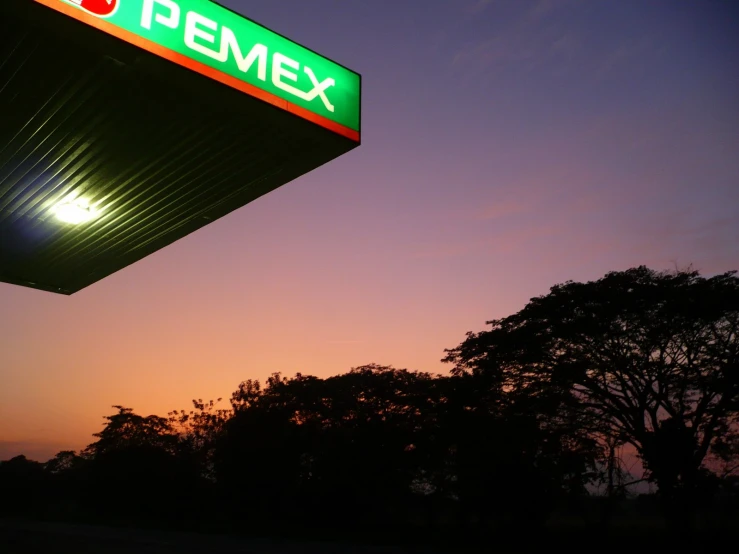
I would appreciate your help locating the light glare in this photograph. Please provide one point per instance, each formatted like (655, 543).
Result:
(74, 212)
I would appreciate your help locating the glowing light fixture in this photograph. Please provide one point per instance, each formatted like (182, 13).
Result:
(75, 212)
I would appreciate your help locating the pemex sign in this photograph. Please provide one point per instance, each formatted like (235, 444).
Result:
(222, 45)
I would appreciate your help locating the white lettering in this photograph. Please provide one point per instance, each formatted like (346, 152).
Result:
(201, 36)
(278, 72)
(319, 88)
(192, 32)
(258, 52)
(173, 21)
(195, 29)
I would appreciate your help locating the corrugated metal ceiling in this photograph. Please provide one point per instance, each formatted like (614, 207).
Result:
(160, 151)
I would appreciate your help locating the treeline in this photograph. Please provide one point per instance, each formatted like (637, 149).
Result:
(529, 422)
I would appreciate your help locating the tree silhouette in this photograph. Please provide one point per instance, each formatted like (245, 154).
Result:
(64, 462)
(642, 357)
(22, 486)
(341, 447)
(512, 456)
(127, 429)
(534, 412)
(136, 469)
(198, 432)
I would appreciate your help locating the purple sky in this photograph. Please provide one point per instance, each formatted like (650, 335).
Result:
(507, 146)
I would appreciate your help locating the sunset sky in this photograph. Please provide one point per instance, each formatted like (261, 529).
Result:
(507, 146)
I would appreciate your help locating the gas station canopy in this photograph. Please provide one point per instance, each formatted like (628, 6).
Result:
(127, 124)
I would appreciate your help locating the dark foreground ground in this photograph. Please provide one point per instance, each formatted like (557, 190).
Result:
(26, 537)
(32, 537)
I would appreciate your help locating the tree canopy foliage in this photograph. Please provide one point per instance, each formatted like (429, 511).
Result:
(640, 357)
(527, 422)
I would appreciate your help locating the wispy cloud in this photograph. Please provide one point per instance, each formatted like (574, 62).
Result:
(502, 242)
(526, 40)
(706, 236)
(639, 49)
(513, 241)
(478, 6)
(502, 209)
(536, 8)
(450, 249)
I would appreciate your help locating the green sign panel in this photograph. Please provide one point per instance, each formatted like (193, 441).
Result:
(214, 41)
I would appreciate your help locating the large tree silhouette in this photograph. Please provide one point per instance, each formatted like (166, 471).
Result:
(22, 487)
(532, 413)
(639, 357)
(136, 470)
(513, 455)
(343, 447)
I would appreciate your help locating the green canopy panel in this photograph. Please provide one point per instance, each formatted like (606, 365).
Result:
(115, 144)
